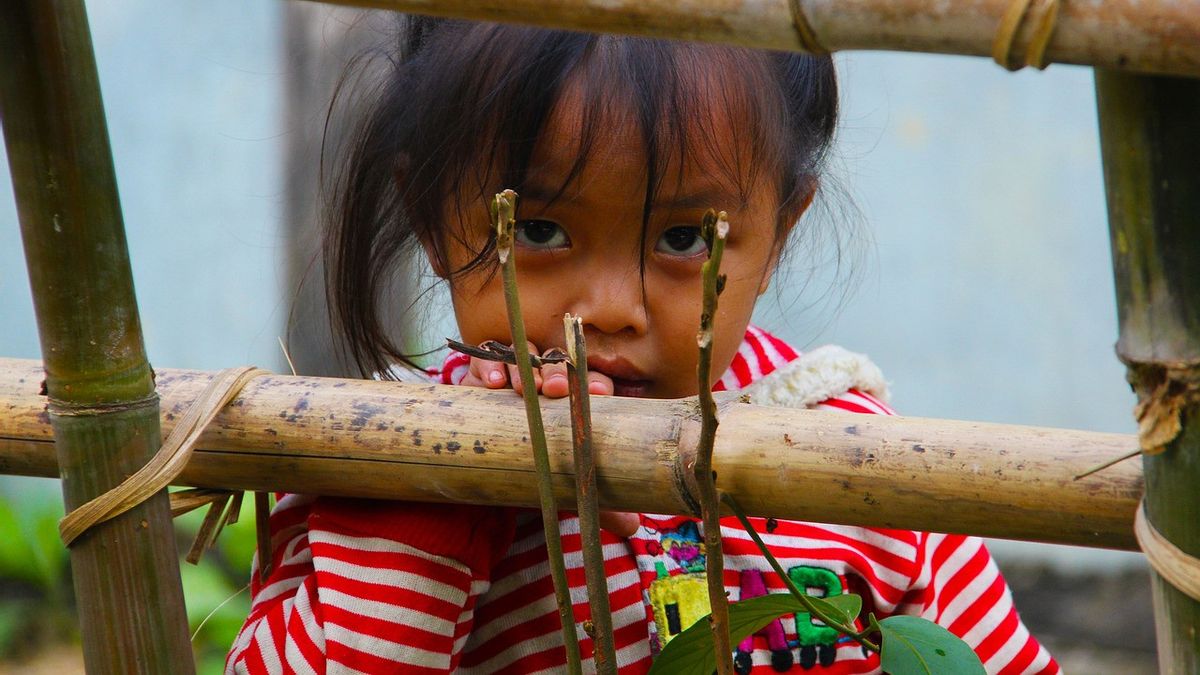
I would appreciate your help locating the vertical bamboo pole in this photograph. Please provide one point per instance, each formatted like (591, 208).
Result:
(103, 406)
(1150, 140)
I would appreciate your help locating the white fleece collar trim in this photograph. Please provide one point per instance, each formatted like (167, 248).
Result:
(816, 376)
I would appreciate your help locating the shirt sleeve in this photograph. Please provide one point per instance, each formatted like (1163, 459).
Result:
(959, 587)
(369, 586)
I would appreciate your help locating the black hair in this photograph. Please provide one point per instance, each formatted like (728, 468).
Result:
(460, 104)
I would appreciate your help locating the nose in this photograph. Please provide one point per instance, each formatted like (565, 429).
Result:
(612, 301)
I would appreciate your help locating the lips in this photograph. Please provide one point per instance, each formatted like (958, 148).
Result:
(627, 379)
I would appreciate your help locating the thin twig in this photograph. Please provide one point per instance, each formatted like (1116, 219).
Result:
(806, 600)
(490, 350)
(1111, 462)
(713, 229)
(504, 209)
(605, 653)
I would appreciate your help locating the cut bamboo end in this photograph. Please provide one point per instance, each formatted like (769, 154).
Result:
(459, 444)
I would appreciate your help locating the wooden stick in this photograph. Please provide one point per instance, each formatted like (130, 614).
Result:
(713, 229)
(104, 410)
(1149, 144)
(1152, 36)
(504, 218)
(605, 653)
(425, 442)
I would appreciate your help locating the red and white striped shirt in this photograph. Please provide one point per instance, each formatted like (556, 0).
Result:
(366, 586)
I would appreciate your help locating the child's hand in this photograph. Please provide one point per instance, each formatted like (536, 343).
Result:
(550, 380)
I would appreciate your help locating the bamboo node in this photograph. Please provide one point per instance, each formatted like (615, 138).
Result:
(1042, 15)
(166, 465)
(1170, 562)
(804, 31)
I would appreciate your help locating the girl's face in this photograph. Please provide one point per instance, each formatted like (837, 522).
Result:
(583, 253)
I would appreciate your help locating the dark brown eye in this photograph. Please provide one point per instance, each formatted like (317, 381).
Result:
(541, 234)
(683, 241)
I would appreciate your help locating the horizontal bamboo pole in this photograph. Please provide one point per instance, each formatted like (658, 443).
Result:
(459, 444)
(1152, 36)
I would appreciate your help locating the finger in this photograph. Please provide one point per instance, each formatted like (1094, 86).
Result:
(514, 375)
(488, 373)
(554, 380)
(620, 524)
(599, 384)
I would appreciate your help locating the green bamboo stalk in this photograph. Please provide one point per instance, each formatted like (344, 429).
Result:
(605, 653)
(504, 214)
(103, 406)
(1150, 140)
(713, 228)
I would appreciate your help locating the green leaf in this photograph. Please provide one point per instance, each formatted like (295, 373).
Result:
(916, 646)
(692, 650)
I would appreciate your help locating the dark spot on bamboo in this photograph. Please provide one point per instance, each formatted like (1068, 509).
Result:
(852, 430)
(857, 456)
(283, 415)
(869, 500)
(445, 404)
(382, 426)
(479, 448)
(301, 405)
(918, 448)
(170, 416)
(339, 385)
(437, 448)
(271, 432)
(845, 484)
(333, 426)
(453, 446)
(398, 428)
(788, 440)
(416, 436)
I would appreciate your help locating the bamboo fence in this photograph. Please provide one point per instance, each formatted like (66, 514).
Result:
(445, 444)
(1151, 36)
(373, 439)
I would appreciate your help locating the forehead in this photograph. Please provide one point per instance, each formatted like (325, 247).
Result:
(693, 136)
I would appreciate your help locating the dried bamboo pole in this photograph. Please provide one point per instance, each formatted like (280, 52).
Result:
(464, 444)
(1161, 36)
(103, 408)
(1150, 139)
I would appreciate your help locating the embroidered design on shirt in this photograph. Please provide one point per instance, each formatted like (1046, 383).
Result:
(677, 601)
(753, 585)
(817, 642)
(685, 546)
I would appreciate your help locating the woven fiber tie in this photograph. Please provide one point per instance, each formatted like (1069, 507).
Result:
(1043, 14)
(166, 465)
(1178, 568)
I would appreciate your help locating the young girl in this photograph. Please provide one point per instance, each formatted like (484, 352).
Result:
(616, 146)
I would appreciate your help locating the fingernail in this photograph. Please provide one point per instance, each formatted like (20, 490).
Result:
(495, 377)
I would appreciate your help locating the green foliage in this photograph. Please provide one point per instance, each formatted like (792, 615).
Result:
(692, 650)
(916, 646)
(215, 590)
(37, 599)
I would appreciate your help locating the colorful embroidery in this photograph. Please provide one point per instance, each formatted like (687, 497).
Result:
(677, 602)
(752, 586)
(817, 642)
(685, 546)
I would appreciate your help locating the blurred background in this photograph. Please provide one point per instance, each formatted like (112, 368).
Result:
(979, 269)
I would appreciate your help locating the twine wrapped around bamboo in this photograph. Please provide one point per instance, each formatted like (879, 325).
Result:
(1151, 36)
(462, 444)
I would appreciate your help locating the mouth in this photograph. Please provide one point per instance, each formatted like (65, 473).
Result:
(627, 379)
